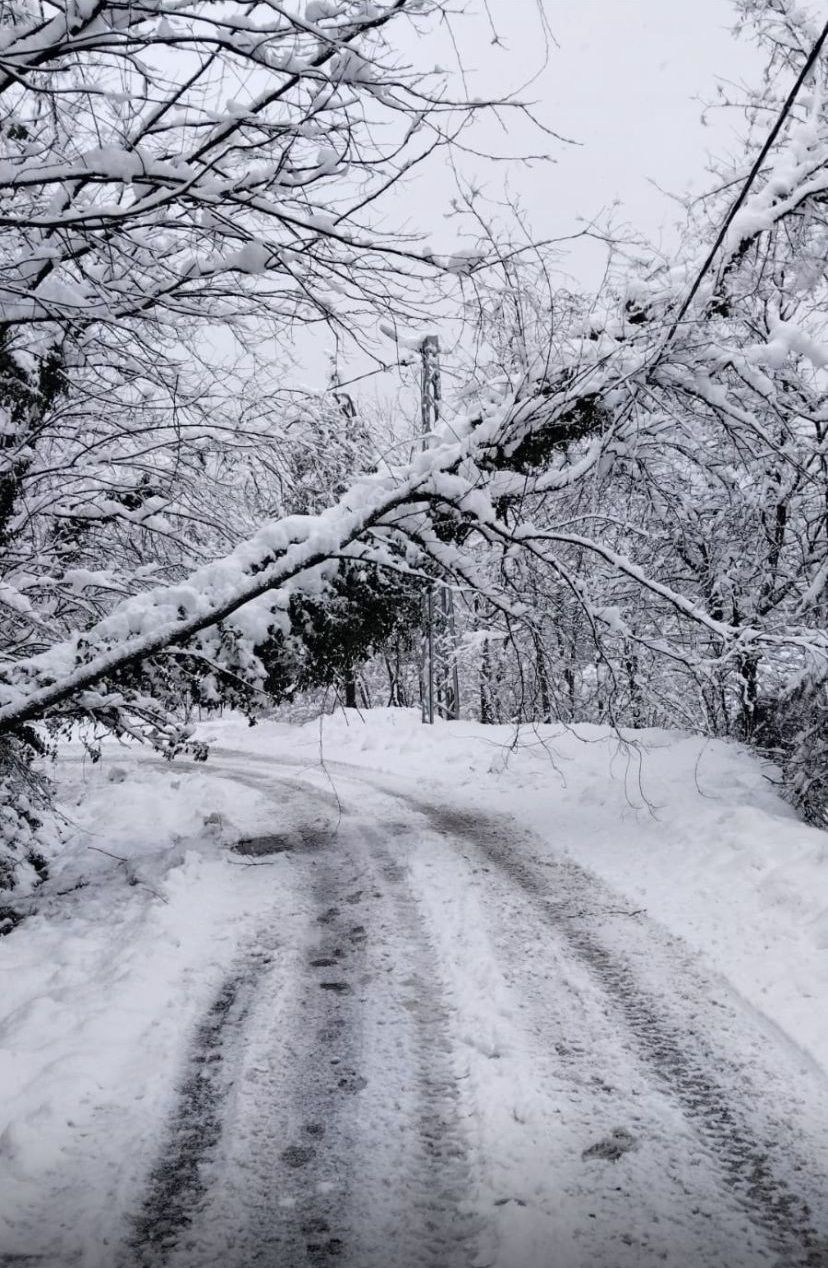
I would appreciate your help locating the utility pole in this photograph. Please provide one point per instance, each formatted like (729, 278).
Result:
(448, 690)
(429, 416)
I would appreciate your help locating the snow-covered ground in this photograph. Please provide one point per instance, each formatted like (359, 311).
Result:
(499, 880)
(690, 829)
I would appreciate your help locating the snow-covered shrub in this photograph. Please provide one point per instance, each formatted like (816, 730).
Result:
(794, 731)
(332, 635)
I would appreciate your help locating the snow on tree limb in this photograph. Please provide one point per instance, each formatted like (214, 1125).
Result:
(287, 555)
(603, 493)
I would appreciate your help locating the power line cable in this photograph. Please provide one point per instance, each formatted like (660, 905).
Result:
(746, 188)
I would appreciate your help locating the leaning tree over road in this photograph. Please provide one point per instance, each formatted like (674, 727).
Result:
(141, 206)
(182, 188)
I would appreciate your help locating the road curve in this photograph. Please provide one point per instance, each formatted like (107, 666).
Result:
(464, 1051)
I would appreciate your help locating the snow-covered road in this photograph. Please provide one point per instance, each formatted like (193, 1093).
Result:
(396, 1070)
(440, 1009)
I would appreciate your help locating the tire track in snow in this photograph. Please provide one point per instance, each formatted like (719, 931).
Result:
(176, 1184)
(760, 1165)
(388, 1179)
(287, 1119)
(250, 1175)
(186, 1180)
(296, 1115)
(431, 1224)
(436, 1225)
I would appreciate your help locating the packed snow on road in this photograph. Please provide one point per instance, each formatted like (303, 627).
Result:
(377, 994)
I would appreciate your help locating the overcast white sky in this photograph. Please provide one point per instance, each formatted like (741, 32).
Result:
(624, 78)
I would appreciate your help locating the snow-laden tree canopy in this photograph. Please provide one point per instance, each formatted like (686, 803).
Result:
(648, 469)
(183, 187)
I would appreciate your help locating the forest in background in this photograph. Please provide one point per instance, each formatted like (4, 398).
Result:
(625, 494)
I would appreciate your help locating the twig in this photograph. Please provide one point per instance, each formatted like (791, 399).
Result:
(132, 876)
(118, 857)
(601, 911)
(61, 893)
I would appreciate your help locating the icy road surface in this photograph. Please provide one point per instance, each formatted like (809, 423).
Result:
(443, 1048)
